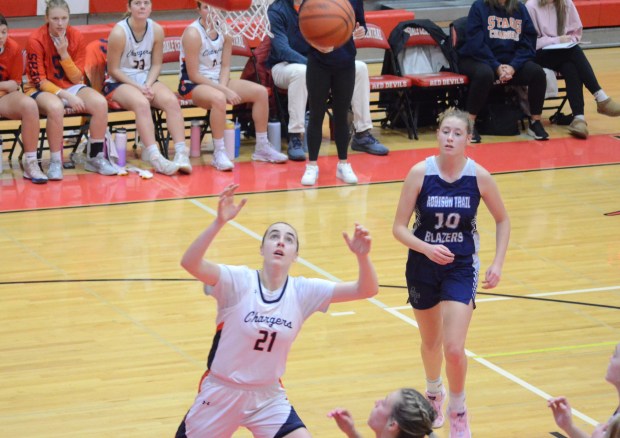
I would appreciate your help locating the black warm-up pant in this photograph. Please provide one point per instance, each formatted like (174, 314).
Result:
(577, 72)
(481, 78)
(320, 80)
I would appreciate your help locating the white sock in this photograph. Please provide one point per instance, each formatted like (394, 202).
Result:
(600, 96)
(180, 147)
(457, 402)
(56, 156)
(434, 386)
(261, 137)
(218, 143)
(97, 140)
(30, 156)
(581, 117)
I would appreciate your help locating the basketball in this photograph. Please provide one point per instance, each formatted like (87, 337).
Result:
(326, 23)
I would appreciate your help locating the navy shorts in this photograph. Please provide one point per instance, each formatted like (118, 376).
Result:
(429, 283)
(186, 88)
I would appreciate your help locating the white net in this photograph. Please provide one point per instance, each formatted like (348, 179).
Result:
(252, 23)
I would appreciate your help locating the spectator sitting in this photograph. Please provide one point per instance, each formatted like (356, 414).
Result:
(500, 45)
(557, 21)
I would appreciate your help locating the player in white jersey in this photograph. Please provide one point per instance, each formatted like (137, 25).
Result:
(135, 54)
(442, 268)
(260, 312)
(205, 78)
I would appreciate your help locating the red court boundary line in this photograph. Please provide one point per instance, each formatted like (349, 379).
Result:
(87, 189)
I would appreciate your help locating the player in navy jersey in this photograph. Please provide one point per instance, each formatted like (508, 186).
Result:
(259, 314)
(442, 267)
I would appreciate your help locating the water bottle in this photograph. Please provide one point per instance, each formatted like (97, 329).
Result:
(237, 138)
(274, 135)
(195, 132)
(229, 139)
(120, 141)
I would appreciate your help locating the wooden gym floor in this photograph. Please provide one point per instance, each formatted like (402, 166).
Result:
(102, 333)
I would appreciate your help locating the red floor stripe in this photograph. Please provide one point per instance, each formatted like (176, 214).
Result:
(79, 189)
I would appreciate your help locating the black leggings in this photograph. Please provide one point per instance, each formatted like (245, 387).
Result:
(577, 72)
(481, 78)
(320, 80)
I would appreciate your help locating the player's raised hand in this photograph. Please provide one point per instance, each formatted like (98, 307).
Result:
(226, 208)
(360, 243)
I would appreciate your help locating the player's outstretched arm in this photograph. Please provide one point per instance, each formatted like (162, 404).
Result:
(367, 284)
(193, 260)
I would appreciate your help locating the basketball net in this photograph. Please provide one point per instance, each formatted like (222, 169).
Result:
(252, 23)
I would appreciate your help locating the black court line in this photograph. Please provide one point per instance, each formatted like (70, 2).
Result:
(520, 297)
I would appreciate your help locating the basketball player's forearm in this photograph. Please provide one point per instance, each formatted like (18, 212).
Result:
(367, 282)
(192, 259)
(502, 237)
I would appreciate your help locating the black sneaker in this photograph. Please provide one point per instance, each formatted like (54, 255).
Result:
(537, 130)
(475, 137)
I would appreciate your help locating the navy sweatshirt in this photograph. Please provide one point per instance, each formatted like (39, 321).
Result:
(289, 45)
(494, 37)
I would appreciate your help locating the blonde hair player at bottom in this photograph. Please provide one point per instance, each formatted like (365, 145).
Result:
(259, 314)
(404, 413)
(442, 267)
(205, 77)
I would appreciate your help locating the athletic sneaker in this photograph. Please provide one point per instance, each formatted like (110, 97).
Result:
(578, 128)
(310, 175)
(54, 172)
(221, 161)
(537, 130)
(266, 152)
(366, 142)
(181, 159)
(296, 148)
(100, 165)
(459, 424)
(436, 401)
(33, 172)
(345, 173)
(160, 164)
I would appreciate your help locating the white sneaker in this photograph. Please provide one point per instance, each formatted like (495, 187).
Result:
(160, 164)
(221, 160)
(310, 175)
(33, 172)
(100, 165)
(181, 159)
(54, 172)
(266, 152)
(345, 173)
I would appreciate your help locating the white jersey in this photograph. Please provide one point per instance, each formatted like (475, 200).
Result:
(137, 55)
(209, 58)
(256, 327)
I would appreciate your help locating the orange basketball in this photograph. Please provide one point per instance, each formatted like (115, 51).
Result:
(326, 23)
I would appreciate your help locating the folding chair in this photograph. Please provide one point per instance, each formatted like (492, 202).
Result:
(387, 83)
(432, 85)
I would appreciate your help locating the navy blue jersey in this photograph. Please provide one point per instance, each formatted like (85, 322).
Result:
(445, 213)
